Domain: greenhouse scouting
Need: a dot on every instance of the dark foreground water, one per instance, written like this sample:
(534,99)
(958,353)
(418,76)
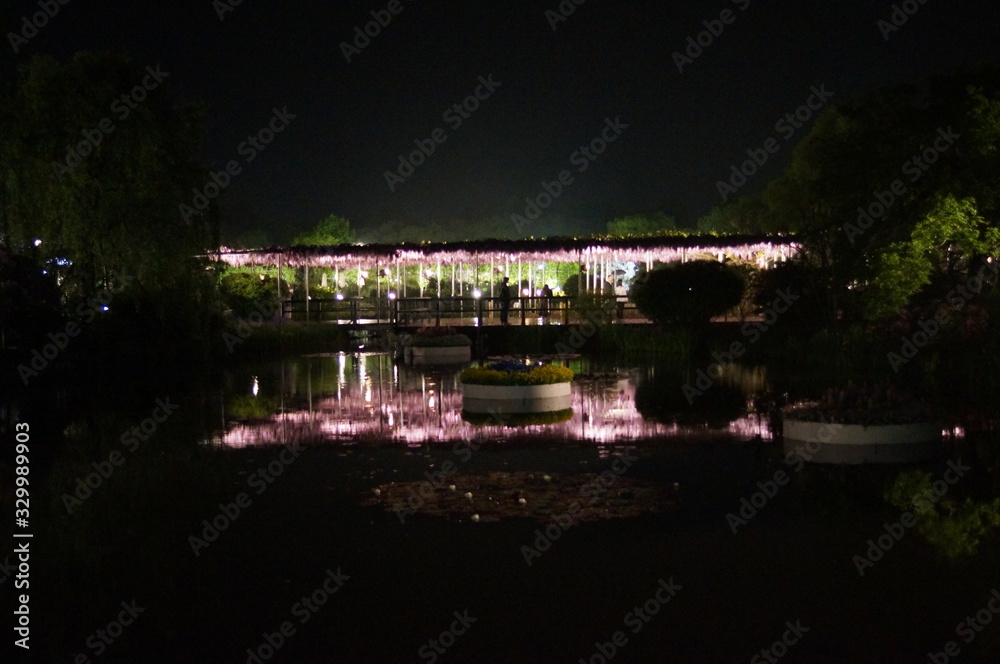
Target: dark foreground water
(755,561)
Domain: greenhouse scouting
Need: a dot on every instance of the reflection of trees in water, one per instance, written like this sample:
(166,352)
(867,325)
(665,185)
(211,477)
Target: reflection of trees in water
(954,527)
(363,399)
(660,397)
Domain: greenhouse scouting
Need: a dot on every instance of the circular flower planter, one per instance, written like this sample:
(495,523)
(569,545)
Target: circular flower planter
(820,442)
(538,390)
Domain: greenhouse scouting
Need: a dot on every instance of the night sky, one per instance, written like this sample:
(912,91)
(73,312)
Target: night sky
(558,87)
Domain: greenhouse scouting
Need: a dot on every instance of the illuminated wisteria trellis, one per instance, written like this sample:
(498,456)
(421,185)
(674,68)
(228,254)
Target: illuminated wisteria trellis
(597,258)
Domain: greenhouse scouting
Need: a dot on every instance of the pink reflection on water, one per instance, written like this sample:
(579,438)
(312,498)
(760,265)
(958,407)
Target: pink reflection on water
(414,409)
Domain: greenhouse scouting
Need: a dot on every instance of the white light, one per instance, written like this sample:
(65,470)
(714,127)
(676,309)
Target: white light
(392,296)
(104,308)
(339,296)
(477,293)
(256,386)
(37,242)
(386,272)
(525,292)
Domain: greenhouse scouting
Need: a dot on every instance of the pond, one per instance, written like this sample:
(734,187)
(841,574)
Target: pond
(351,398)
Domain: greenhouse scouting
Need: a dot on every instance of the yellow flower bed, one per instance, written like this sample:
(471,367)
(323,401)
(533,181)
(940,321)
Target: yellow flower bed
(546,375)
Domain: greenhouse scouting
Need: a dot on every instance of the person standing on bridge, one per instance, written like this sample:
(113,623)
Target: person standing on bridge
(504,301)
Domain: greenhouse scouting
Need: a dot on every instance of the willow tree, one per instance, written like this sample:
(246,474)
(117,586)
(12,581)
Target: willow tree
(96,154)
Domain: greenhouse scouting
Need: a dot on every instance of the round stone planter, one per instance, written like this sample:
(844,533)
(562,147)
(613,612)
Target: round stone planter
(516,398)
(438,354)
(820,442)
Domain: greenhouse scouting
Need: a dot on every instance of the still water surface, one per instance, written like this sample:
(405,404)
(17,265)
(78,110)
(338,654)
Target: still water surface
(347,398)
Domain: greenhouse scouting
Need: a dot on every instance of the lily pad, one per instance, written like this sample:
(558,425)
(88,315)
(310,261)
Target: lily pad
(537,496)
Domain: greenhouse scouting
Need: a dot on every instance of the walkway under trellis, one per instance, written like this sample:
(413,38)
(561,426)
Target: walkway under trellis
(601,265)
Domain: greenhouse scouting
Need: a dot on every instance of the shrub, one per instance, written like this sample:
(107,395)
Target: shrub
(511,374)
(864,405)
(688,294)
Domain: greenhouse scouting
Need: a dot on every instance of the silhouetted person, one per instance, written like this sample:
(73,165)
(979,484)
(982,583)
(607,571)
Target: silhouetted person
(546,294)
(504,301)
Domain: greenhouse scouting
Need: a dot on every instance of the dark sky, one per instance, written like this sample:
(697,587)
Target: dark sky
(606,60)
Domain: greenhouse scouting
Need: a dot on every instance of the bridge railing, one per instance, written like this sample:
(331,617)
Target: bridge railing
(420,311)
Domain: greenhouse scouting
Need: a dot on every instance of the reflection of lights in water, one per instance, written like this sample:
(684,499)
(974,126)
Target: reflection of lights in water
(418,414)
(256,386)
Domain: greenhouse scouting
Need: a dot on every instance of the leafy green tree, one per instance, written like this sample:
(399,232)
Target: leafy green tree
(641,224)
(687,294)
(745,215)
(896,192)
(331,230)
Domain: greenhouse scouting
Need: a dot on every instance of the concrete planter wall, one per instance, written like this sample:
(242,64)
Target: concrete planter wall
(516,398)
(818,442)
(438,354)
